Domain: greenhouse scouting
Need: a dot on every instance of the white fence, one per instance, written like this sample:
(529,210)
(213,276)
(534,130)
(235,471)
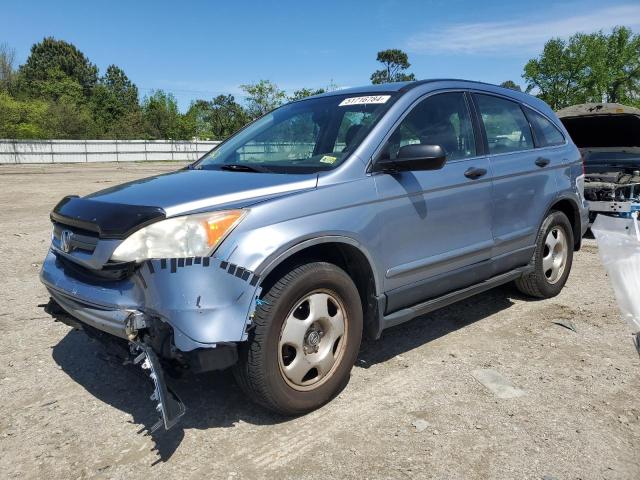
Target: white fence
(83,151)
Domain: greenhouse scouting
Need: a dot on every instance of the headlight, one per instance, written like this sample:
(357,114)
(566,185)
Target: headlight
(180,237)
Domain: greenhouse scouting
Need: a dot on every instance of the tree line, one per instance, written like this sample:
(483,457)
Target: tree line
(596,67)
(59,93)
(587,68)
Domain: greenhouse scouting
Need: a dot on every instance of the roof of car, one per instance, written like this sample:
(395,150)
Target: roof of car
(403,87)
(399,86)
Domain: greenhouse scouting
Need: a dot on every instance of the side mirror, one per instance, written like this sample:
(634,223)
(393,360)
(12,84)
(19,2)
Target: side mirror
(414,157)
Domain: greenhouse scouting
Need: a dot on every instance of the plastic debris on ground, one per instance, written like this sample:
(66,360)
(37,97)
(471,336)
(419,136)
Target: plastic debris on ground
(497,383)
(566,324)
(619,246)
(420,425)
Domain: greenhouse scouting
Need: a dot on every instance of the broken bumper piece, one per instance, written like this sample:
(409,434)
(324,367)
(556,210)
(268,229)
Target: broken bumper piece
(168,404)
(206,301)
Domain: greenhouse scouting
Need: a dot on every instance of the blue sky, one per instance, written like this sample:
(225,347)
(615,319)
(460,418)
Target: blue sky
(201,49)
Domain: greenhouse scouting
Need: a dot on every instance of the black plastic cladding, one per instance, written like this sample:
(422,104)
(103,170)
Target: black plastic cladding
(108,220)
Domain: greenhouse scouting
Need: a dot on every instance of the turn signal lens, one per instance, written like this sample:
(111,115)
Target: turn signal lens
(218,227)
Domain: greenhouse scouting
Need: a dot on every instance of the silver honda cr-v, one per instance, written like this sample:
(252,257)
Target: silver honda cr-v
(331,217)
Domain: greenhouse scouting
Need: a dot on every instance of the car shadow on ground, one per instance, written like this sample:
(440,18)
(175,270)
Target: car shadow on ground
(213,400)
(439,323)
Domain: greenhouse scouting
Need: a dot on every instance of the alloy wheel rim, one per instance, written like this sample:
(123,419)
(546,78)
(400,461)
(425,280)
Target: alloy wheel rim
(554,257)
(312,340)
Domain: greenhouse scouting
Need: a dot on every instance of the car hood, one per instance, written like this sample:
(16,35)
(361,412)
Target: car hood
(188,191)
(605,129)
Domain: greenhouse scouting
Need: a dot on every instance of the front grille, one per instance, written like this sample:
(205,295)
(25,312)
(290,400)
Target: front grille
(80,240)
(112,271)
(78,257)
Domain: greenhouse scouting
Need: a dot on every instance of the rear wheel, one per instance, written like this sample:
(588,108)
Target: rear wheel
(305,340)
(551,260)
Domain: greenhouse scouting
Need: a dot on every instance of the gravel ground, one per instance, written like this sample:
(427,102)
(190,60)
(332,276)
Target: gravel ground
(412,409)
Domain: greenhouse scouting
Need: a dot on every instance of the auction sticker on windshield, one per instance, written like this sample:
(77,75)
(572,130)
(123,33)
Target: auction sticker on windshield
(365,100)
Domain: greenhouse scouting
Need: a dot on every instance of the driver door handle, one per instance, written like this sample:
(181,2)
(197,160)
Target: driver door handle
(474,173)
(542,162)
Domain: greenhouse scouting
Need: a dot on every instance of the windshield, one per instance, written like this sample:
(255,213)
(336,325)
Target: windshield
(301,137)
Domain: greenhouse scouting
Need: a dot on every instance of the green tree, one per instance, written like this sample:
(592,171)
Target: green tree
(51,55)
(57,94)
(23,119)
(587,68)
(55,87)
(68,111)
(262,97)
(37,119)
(115,105)
(216,119)
(67,118)
(197,120)
(511,85)
(616,70)
(161,116)
(559,75)
(227,117)
(7,60)
(56,79)
(304,93)
(394,62)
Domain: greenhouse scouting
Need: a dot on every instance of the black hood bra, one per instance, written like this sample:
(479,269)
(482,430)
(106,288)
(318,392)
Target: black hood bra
(108,220)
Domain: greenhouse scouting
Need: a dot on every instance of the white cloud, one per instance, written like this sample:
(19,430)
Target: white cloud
(519,35)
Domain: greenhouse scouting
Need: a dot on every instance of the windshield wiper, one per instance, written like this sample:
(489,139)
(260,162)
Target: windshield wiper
(235,167)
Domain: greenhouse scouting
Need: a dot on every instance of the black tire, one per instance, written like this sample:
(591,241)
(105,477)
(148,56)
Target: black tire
(536,283)
(258,370)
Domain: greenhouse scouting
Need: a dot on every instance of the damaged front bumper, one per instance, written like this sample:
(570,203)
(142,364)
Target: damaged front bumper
(206,301)
(169,405)
(192,311)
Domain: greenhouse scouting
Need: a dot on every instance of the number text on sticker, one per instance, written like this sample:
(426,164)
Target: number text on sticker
(365,100)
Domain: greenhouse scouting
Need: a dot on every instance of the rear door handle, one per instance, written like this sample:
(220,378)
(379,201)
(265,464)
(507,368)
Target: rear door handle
(474,173)
(542,162)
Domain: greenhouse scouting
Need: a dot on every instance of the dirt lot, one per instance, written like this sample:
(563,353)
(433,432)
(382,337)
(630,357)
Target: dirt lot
(412,408)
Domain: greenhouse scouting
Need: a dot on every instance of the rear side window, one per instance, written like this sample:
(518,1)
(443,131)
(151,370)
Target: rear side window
(506,126)
(547,134)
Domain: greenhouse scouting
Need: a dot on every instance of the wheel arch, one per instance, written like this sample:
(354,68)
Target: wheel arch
(344,252)
(570,208)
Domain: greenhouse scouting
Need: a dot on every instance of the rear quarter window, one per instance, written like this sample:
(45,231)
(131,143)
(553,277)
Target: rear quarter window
(547,134)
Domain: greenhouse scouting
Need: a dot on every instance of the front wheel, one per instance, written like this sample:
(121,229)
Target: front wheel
(304,342)
(552,259)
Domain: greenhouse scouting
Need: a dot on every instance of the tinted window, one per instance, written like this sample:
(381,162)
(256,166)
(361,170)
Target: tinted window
(506,126)
(438,120)
(547,134)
